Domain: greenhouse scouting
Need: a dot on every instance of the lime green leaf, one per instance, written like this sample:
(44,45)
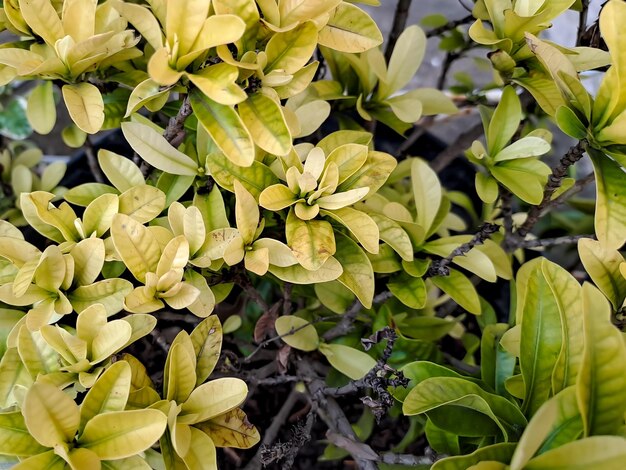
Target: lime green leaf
(304,339)
(426,192)
(556,423)
(568,122)
(225,128)
(41,108)
(153,148)
(51,416)
(350,29)
(411,291)
(461,289)
(504,122)
(603,368)
(523,148)
(406,58)
(349,361)
(601,452)
(254,178)
(121,434)
(48,461)
(501,452)
(85,105)
(541,341)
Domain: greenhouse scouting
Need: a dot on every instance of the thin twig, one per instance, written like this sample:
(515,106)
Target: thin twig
(399,23)
(548,242)
(455,149)
(272,431)
(579,185)
(345,325)
(582,22)
(450,25)
(506,207)
(559,172)
(441,267)
(92,161)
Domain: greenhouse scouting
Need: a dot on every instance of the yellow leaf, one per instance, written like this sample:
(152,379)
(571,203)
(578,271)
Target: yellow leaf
(15,438)
(136,246)
(109,293)
(207,344)
(290,51)
(109,393)
(144,22)
(350,29)
(110,339)
(43,19)
(180,369)
(296,274)
(213,399)
(85,105)
(231,429)
(225,127)
(157,151)
(201,454)
(120,171)
(51,416)
(218,83)
(246,213)
(205,303)
(264,119)
(121,434)
(312,242)
(159,68)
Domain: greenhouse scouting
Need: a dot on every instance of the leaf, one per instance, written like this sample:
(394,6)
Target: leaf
(610,215)
(180,370)
(121,434)
(603,266)
(411,291)
(349,361)
(120,171)
(406,58)
(291,50)
(111,338)
(501,452)
(108,292)
(556,422)
(246,213)
(350,29)
(329,271)
(358,275)
(144,92)
(154,149)
(568,122)
(254,178)
(601,452)
(541,341)
(41,108)
(457,393)
(225,127)
(461,289)
(15,438)
(207,344)
(43,19)
(47,460)
(525,178)
(201,453)
(231,429)
(136,245)
(51,416)
(426,192)
(304,336)
(264,119)
(213,399)
(109,393)
(504,122)
(603,369)
(85,105)
(312,242)
(394,235)
(524,148)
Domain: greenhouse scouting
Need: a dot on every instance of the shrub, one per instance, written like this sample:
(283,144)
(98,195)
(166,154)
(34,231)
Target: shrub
(239,240)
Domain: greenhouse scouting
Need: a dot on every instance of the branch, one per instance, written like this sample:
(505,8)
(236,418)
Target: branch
(92,161)
(559,172)
(399,23)
(449,26)
(441,267)
(463,141)
(582,22)
(548,242)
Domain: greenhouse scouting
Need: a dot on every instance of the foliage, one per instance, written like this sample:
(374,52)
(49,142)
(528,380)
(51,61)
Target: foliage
(252,244)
